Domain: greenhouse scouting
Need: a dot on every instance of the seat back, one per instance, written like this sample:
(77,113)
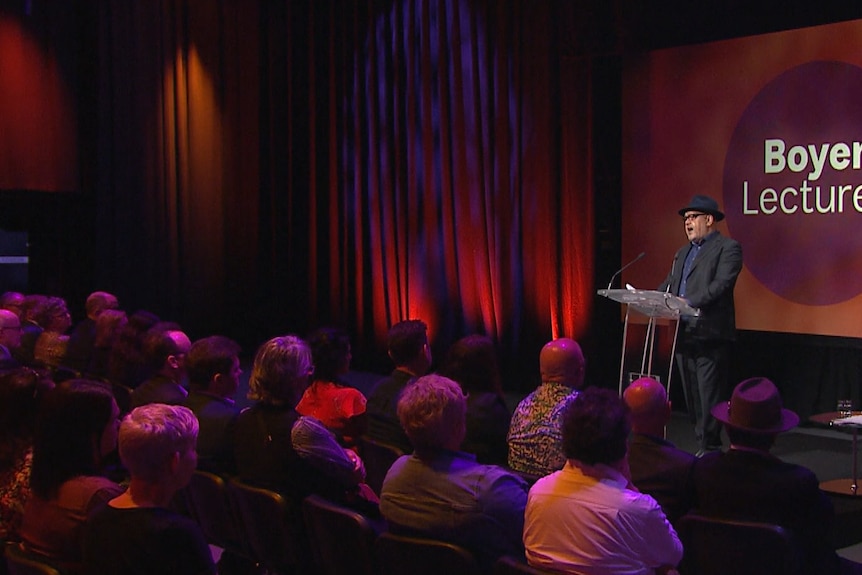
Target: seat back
(270,525)
(715,546)
(22,562)
(123,395)
(342,539)
(378,458)
(209,504)
(508,565)
(403,555)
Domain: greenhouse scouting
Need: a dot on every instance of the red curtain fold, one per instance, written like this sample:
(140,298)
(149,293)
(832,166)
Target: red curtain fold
(349,162)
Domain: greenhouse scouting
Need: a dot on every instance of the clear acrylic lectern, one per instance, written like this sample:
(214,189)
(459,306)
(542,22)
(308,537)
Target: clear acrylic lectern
(655,305)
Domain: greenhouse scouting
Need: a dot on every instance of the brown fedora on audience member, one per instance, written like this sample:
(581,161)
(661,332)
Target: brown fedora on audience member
(756,407)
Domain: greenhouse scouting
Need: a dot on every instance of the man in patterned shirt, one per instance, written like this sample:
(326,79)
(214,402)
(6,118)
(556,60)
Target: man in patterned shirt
(535,436)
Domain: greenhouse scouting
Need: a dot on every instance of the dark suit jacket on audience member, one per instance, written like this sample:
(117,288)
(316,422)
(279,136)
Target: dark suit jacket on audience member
(79,350)
(216,416)
(30,332)
(661,470)
(488,421)
(760,487)
(383,424)
(7,361)
(158,389)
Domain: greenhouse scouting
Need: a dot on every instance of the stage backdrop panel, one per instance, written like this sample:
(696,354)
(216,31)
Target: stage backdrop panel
(771,127)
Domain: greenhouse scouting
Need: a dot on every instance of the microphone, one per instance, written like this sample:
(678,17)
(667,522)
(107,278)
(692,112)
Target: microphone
(619,271)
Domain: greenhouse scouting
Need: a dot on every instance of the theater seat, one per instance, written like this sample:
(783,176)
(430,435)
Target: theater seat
(508,565)
(22,562)
(271,527)
(715,546)
(402,555)
(209,504)
(378,458)
(342,539)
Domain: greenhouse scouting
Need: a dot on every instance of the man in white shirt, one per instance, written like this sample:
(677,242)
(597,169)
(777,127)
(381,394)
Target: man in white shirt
(588,518)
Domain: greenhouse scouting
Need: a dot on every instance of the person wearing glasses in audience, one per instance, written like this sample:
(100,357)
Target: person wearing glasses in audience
(165,349)
(704,273)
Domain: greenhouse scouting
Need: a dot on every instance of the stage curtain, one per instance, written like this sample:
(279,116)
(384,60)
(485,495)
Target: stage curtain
(273,166)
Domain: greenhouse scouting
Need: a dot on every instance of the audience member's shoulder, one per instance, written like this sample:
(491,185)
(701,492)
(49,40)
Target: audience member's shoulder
(708,460)
(497,474)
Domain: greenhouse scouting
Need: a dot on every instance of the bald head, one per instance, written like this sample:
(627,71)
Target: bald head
(649,407)
(12,301)
(99,301)
(562,361)
(10,329)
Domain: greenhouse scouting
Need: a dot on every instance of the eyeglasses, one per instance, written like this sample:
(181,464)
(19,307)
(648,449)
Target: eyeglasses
(687,217)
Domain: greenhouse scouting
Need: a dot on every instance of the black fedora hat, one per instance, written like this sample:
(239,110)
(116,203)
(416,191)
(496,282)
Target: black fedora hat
(756,407)
(703,204)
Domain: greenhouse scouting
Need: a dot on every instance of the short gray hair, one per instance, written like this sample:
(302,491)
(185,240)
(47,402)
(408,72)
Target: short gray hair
(431,410)
(151,434)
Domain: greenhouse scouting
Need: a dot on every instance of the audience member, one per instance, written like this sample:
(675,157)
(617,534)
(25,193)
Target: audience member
(442,493)
(213,371)
(748,482)
(657,467)
(30,328)
(589,517)
(126,363)
(20,392)
(10,339)
(76,429)
(472,363)
(52,315)
(408,347)
(165,351)
(339,407)
(535,437)
(12,301)
(109,324)
(137,532)
(278,449)
(82,339)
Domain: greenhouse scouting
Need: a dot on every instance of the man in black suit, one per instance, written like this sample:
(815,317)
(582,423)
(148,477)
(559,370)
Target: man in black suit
(657,467)
(704,273)
(166,348)
(749,483)
(213,371)
(408,347)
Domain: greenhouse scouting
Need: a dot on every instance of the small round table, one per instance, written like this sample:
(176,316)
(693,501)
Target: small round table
(831,419)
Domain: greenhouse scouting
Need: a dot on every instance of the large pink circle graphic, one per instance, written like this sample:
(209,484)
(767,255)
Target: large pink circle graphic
(793,183)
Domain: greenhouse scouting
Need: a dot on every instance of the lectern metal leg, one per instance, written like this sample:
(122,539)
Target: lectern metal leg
(672,355)
(649,344)
(855,476)
(623,353)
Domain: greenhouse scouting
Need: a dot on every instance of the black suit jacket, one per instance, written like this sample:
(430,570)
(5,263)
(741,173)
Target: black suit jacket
(760,487)
(709,287)
(382,409)
(661,470)
(7,362)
